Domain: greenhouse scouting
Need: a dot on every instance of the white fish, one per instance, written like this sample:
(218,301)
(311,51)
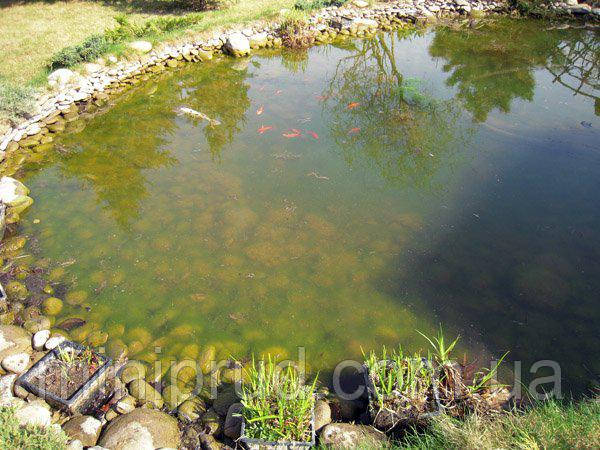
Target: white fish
(194,113)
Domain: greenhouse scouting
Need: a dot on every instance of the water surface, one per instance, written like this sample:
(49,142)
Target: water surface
(352,194)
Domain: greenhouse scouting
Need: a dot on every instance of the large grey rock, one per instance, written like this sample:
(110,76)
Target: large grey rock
(237,44)
(347,435)
(233,422)
(16,363)
(11,191)
(34,414)
(13,339)
(83,428)
(142,428)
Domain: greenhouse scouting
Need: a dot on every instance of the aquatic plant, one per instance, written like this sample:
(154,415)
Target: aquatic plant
(402,387)
(441,349)
(277,405)
(295,32)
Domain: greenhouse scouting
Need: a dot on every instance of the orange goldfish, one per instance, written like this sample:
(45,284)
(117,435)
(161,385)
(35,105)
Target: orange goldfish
(264,128)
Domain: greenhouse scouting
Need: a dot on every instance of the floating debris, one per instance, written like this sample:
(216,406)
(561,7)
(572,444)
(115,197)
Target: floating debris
(294,134)
(317,176)
(192,112)
(286,156)
(260,110)
(353,105)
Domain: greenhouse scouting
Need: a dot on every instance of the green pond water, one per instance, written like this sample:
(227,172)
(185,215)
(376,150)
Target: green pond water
(445,177)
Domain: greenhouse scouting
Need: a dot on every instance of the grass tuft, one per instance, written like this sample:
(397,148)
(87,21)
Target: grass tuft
(550,424)
(16,101)
(12,435)
(277,405)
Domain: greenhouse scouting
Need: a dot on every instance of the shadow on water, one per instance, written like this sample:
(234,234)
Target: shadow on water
(516,264)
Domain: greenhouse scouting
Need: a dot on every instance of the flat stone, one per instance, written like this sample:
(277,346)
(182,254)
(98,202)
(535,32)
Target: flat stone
(91,68)
(11,191)
(140,46)
(34,414)
(83,428)
(54,342)
(347,435)
(16,363)
(60,78)
(140,429)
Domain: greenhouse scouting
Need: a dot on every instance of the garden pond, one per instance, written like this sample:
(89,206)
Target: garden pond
(340,198)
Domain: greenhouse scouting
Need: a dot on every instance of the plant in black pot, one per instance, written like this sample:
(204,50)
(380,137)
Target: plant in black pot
(277,408)
(402,389)
(70,377)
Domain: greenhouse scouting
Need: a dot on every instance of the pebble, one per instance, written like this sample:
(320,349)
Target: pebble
(40,338)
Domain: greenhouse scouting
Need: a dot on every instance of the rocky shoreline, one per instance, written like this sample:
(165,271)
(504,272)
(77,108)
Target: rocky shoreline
(141,416)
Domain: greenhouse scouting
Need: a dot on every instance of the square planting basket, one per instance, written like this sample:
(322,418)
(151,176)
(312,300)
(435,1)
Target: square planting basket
(436,396)
(256,444)
(95,390)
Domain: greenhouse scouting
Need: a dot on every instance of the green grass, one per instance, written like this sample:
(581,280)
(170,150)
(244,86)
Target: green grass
(13,436)
(276,404)
(551,425)
(15,100)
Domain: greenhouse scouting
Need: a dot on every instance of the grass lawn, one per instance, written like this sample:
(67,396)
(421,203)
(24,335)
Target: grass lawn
(31,32)
(547,425)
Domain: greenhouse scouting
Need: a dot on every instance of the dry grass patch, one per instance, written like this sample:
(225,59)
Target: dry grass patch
(30,33)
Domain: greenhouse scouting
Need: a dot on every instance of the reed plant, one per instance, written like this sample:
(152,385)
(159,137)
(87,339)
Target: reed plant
(277,405)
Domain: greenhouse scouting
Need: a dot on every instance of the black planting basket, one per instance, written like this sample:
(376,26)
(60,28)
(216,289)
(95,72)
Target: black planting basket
(436,393)
(83,399)
(252,443)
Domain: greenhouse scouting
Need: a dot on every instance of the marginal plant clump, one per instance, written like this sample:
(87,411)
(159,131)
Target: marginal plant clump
(462,390)
(295,32)
(277,405)
(401,386)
